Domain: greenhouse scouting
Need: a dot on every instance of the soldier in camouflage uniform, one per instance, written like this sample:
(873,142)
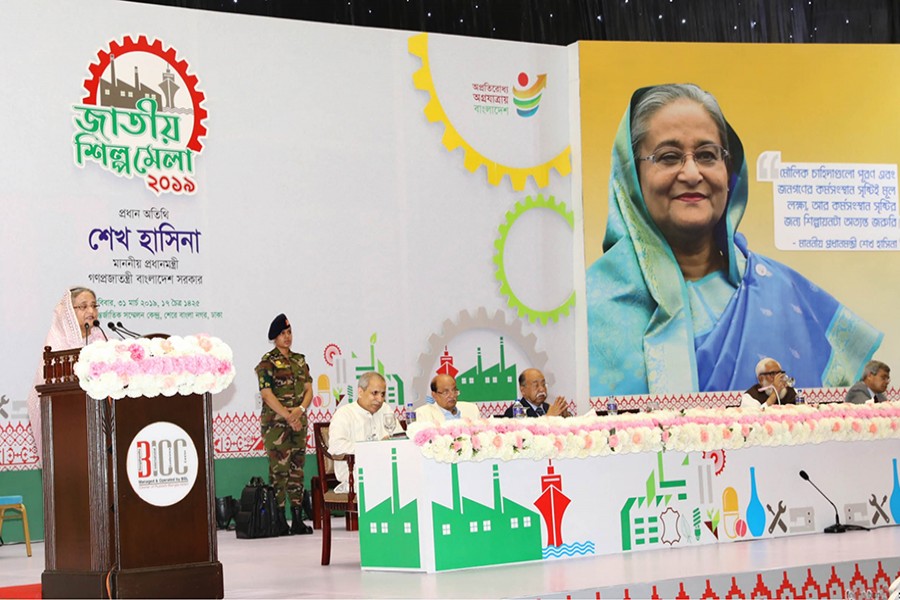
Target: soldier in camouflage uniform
(286,389)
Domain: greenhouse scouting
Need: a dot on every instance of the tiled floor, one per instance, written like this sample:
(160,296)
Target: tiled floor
(289,567)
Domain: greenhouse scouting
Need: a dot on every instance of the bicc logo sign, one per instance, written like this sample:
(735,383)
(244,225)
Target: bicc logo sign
(162,463)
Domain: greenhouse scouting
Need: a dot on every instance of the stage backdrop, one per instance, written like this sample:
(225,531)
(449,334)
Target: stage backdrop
(822,163)
(403,198)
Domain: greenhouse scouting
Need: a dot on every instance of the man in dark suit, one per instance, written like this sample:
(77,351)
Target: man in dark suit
(875,380)
(533,387)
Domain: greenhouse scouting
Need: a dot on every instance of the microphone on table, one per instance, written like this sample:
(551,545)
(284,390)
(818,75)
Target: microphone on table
(127,331)
(97,325)
(113,327)
(837,527)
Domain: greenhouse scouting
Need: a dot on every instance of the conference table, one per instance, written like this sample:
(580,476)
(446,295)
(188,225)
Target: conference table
(502,491)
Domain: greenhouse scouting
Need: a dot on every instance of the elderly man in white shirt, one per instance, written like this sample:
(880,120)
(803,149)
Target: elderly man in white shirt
(444,405)
(360,421)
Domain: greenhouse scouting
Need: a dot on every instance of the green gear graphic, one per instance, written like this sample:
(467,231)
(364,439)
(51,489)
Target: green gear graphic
(521,208)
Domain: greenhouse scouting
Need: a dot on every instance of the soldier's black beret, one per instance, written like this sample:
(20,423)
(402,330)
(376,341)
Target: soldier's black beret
(278,325)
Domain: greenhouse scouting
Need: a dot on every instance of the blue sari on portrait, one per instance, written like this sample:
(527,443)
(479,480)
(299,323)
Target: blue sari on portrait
(650,331)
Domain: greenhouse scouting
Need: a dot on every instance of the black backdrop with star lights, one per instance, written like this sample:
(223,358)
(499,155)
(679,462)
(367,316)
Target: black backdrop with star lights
(564,22)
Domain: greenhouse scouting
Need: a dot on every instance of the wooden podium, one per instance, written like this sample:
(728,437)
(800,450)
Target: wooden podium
(102,539)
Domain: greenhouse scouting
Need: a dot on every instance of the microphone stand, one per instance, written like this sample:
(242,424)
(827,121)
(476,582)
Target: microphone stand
(837,527)
(115,330)
(97,325)
(127,331)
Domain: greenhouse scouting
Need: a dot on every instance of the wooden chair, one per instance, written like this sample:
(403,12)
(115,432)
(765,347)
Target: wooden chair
(324,494)
(331,482)
(15,503)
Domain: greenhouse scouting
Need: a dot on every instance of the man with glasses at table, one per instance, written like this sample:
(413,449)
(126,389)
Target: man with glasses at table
(533,387)
(360,421)
(444,405)
(874,383)
(772,387)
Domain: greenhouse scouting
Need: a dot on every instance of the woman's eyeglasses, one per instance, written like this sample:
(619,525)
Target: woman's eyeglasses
(86,306)
(670,159)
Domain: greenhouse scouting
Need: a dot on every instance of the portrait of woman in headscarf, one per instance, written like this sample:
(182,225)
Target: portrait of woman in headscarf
(678,302)
(72,327)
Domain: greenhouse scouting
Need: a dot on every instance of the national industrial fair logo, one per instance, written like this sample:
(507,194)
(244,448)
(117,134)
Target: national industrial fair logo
(493,98)
(162,463)
(142,116)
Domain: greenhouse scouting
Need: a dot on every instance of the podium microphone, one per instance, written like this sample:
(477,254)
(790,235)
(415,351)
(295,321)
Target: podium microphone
(113,328)
(837,527)
(127,331)
(97,325)
(87,332)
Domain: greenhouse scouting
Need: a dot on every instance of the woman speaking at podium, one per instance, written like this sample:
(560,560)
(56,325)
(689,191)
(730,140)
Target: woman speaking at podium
(72,327)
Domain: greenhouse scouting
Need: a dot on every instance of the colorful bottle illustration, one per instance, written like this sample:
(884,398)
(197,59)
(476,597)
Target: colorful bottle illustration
(895,496)
(756,514)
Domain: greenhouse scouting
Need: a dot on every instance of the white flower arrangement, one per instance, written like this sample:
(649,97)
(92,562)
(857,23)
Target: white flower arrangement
(690,430)
(195,364)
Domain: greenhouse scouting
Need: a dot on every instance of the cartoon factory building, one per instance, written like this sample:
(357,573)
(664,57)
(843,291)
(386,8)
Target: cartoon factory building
(388,532)
(480,384)
(641,515)
(469,534)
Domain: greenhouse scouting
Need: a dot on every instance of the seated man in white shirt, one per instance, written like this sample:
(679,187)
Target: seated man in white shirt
(444,405)
(359,421)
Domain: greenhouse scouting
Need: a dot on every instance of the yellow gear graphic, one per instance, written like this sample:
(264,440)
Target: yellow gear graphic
(422,80)
(521,208)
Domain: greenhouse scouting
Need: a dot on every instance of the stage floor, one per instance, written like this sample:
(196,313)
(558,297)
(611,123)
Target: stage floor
(289,568)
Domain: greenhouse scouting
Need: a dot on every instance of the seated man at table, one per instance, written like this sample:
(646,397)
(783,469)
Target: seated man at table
(771,388)
(358,421)
(443,404)
(875,380)
(533,388)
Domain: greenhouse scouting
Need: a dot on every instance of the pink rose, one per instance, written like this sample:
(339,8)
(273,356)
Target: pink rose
(704,436)
(136,352)
(613,441)
(637,438)
(726,433)
(588,442)
(873,429)
(856,426)
(476,443)
(498,442)
(836,427)
(423,437)
(665,435)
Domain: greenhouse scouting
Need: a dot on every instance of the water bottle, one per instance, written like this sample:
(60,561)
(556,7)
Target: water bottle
(611,407)
(410,414)
(800,399)
(518,411)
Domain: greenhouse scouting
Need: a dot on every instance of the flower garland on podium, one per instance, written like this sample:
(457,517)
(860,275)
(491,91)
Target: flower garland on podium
(690,430)
(194,364)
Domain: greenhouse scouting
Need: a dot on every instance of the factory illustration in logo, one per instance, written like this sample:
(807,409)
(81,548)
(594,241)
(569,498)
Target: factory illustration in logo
(141,116)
